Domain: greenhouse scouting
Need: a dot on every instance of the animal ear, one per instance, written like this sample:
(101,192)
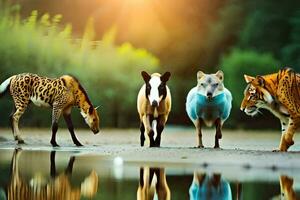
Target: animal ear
(165,77)
(91,109)
(220,75)
(146,76)
(260,80)
(200,74)
(248,79)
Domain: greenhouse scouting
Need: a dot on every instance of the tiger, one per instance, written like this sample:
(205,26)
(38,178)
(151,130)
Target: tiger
(60,94)
(278,93)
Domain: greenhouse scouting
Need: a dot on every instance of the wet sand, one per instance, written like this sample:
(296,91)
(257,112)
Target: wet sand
(245,149)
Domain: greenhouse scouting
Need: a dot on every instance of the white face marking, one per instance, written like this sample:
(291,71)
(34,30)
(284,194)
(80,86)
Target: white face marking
(267,96)
(251,112)
(154,93)
(38,102)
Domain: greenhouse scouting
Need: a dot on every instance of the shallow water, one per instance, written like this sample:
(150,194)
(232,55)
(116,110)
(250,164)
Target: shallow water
(27,174)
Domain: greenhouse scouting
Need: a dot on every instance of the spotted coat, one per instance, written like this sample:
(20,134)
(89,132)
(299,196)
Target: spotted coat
(59,93)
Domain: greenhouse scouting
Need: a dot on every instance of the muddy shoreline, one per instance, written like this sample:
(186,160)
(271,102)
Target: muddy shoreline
(238,148)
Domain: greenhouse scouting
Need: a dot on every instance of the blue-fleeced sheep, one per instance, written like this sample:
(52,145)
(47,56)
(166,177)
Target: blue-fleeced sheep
(209,103)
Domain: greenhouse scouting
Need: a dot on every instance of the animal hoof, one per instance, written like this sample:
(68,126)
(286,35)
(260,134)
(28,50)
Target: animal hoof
(79,144)
(278,150)
(54,144)
(217,147)
(200,147)
(21,142)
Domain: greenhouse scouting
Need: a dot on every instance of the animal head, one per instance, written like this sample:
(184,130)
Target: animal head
(255,95)
(156,87)
(91,118)
(210,85)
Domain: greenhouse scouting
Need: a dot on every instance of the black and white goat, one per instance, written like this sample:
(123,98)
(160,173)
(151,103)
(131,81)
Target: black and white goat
(154,106)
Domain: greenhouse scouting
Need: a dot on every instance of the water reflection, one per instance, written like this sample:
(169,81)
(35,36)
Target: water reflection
(286,188)
(205,186)
(153,184)
(26,174)
(57,187)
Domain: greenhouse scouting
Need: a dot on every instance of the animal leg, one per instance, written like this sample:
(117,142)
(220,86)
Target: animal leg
(160,128)
(142,177)
(287,137)
(20,104)
(56,112)
(198,125)
(15,124)
(199,177)
(69,169)
(218,132)
(11,120)
(216,179)
(52,164)
(162,188)
(283,126)
(147,120)
(142,137)
(286,187)
(67,117)
(161,121)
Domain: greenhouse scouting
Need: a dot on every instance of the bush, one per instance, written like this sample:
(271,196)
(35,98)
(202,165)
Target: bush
(110,73)
(239,62)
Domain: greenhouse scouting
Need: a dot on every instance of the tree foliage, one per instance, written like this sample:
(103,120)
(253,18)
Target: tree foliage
(250,36)
(239,62)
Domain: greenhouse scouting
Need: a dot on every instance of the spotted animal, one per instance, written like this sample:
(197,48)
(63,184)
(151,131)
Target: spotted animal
(279,93)
(40,186)
(59,93)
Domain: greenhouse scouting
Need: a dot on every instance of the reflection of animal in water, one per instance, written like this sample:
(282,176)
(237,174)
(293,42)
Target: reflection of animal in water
(209,187)
(153,184)
(58,187)
(286,188)
(61,94)
(154,106)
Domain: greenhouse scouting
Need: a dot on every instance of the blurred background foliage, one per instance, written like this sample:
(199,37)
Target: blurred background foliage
(106,43)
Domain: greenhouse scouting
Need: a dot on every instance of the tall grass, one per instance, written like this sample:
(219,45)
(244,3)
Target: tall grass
(41,44)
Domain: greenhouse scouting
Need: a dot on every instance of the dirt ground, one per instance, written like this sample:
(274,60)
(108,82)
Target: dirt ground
(238,148)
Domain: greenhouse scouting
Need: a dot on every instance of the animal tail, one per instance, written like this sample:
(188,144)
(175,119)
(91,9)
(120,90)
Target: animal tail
(4,86)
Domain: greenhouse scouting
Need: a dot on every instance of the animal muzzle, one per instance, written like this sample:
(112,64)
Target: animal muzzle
(154,103)
(95,130)
(252,110)
(209,95)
